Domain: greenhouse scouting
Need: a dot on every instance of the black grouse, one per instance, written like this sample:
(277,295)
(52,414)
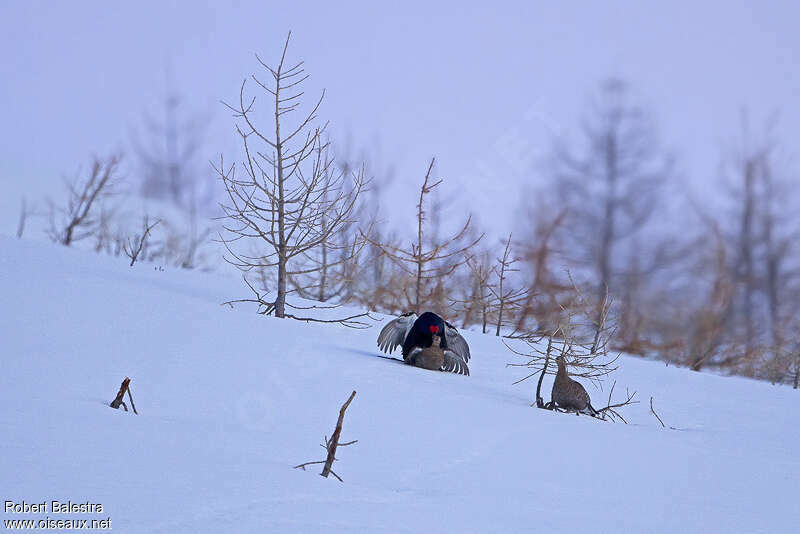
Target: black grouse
(568,393)
(417,333)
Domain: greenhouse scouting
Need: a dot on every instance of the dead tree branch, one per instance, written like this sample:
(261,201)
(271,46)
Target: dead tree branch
(610,410)
(77,218)
(351,321)
(24,213)
(425,263)
(653,411)
(123,388)
(133,247)
(332,444)
(334,441)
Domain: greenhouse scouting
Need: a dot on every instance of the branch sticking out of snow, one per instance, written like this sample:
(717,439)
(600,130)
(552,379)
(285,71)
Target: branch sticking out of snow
(117,402)
(332,444)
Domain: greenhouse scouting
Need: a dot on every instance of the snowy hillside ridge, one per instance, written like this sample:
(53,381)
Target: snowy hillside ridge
(229,401)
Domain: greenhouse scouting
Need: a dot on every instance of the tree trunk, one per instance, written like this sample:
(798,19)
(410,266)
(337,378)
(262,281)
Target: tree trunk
(501,304)
(280,299)
(746,243)
(608,236)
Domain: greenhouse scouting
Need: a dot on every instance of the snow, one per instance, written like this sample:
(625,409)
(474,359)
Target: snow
(229,401)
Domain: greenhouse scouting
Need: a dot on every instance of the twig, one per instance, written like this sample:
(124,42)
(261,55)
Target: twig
(313,307)
(23,216)
(349,322)
(610,409)
(130,397)
(539,400)
(334,443)
(132,249)
(303,466)
(117,402)
(266,308)
(652,410)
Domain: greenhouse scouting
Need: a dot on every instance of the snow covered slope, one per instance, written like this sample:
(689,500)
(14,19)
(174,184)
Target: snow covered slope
(229,401)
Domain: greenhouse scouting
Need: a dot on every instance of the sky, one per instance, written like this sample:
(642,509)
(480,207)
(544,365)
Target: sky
(481,86)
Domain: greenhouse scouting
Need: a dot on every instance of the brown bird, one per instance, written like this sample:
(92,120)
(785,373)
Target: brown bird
(437,359)
(569,394)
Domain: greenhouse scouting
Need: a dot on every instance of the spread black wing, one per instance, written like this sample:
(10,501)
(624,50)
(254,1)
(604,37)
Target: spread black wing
(395,331)
(454,364)
(455,342)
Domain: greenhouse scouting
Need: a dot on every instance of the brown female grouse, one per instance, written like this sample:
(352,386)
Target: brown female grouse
(430,357)
(569,394)
(437,359)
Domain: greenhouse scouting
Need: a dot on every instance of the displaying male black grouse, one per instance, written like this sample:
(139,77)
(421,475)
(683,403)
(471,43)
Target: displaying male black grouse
(416,334)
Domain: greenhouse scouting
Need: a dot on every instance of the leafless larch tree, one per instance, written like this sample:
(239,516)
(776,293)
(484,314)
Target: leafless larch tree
(135,247)
(286,198)
(509,298)
(755,273)
(79,218)
(425,264)
(609,183)
(170,168)
(476,302)
(541,309)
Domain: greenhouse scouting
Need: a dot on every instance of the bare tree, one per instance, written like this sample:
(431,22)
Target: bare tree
(106,238)
(171,170)
(748,166)
(379,283)
(764,268)
(738,302)
(78,220)
(479,300)
(646,290)
(133,246)
(547,291)
(708,323)
(504,299)
(286,185)
(169,156)
(764,264)
(427,265)
(609,183)
(509,299)
(368,278)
